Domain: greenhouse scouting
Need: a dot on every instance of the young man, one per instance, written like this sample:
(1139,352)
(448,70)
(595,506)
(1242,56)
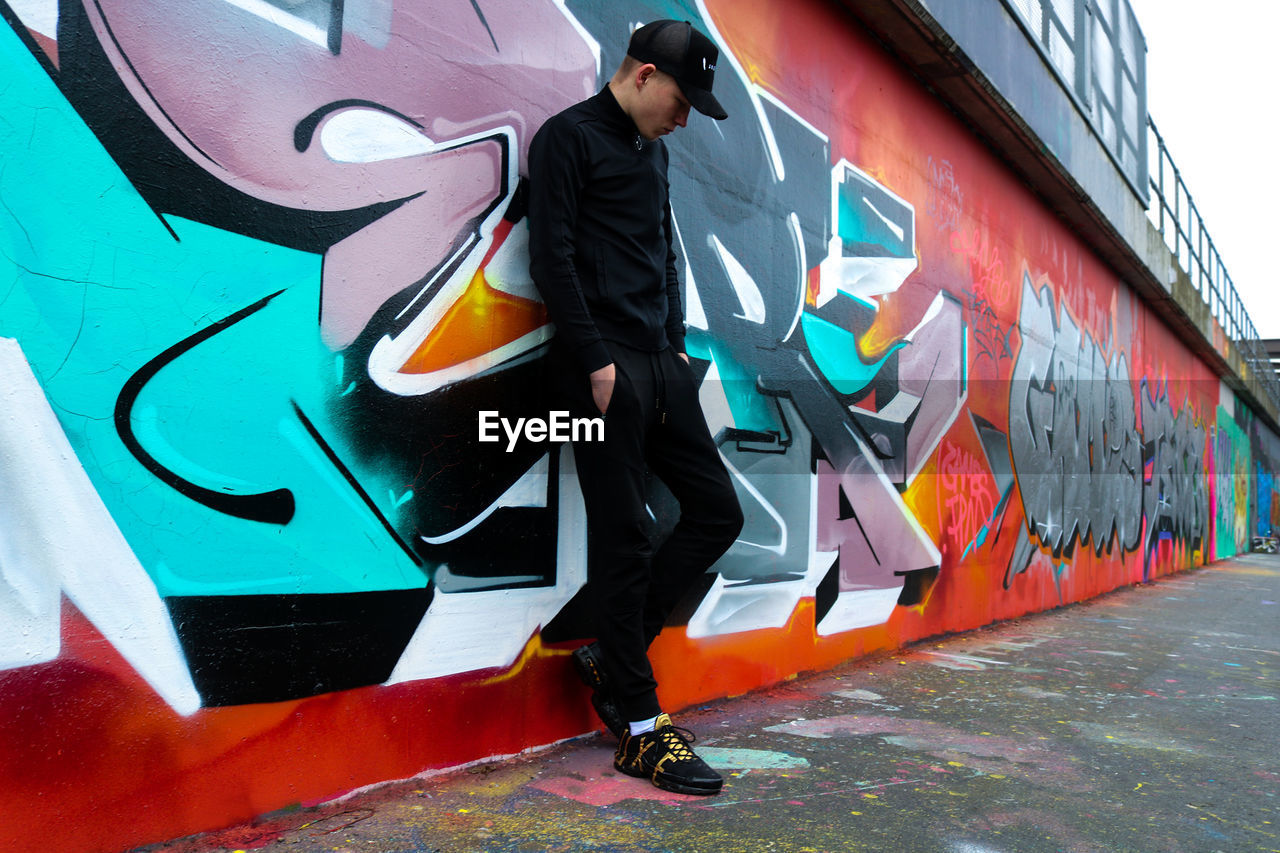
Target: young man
(602,258)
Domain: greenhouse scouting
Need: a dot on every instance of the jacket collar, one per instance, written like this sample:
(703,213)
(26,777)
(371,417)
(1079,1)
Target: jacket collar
(612,114)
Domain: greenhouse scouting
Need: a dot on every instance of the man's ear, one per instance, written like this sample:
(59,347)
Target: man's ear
(644,72)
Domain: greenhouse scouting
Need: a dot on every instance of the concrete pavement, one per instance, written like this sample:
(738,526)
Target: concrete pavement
(1144,720)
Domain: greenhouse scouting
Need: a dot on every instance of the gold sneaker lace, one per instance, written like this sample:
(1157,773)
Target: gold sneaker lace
(676,741)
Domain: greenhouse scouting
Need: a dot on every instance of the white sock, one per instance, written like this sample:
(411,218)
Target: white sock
(640,727)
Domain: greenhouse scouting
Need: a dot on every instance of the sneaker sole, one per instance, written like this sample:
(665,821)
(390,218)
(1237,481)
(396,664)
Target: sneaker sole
(667,784)
(588,668)
(682,788)
(587,665)
(612,721)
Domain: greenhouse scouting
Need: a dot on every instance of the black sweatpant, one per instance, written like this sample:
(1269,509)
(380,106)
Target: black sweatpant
(654,420)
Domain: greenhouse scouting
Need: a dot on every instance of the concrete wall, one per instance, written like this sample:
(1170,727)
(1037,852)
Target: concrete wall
(996,39)
(262,269)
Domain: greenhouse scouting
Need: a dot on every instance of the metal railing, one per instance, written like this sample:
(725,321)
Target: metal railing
(1175,214)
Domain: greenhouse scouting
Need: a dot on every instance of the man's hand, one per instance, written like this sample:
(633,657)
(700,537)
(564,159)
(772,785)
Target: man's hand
(684,355)
(602,386)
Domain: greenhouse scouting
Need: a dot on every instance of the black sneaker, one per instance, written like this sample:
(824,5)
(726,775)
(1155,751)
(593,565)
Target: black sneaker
(664,757)
(590,666)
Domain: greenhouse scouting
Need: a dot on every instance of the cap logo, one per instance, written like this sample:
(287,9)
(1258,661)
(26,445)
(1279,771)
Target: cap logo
(706,66)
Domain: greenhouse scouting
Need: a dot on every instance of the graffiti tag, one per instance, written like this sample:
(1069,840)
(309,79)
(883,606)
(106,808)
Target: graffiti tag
(945,198)
(970,493)
(1176,497)
(1076,450)
(990,337)
(985,264)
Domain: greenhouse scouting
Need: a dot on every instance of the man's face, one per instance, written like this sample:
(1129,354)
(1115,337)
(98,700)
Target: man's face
(660,107)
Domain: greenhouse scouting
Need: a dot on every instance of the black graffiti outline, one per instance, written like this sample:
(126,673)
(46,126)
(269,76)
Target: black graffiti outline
(334,459)
(991,339)
(274,507)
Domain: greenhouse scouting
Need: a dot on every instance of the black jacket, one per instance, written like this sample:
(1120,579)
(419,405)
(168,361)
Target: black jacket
(600,238)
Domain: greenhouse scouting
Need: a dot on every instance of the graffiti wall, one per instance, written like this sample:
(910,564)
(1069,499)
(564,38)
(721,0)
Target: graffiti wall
(1231,482)
(265,262)
(1264,499)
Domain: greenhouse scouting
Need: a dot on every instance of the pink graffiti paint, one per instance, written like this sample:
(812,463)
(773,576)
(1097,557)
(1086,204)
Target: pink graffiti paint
(400,116)
(589,778)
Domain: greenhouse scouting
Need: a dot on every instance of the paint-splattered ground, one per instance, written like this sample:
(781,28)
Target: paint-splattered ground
(1146,720)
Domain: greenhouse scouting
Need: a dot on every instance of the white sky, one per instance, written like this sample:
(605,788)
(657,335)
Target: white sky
(1211,90)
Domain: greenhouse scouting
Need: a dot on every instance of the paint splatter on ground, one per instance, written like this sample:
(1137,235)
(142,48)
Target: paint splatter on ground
(1115,725)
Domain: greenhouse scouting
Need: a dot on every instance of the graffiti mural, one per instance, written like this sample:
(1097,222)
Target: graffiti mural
(371,407)
(1093,466)
(1175,498)
(1231,467)
(1074,438)
(1266,506)
(263,263)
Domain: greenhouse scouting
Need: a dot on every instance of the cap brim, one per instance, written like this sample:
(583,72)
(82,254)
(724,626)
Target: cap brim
(704,102)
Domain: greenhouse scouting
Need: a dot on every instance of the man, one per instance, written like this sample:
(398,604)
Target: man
(602,258)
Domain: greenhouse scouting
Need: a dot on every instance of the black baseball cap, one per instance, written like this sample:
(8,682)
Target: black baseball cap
(676,48)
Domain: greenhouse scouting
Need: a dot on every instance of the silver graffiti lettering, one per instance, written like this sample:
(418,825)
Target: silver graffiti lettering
(1076,449)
